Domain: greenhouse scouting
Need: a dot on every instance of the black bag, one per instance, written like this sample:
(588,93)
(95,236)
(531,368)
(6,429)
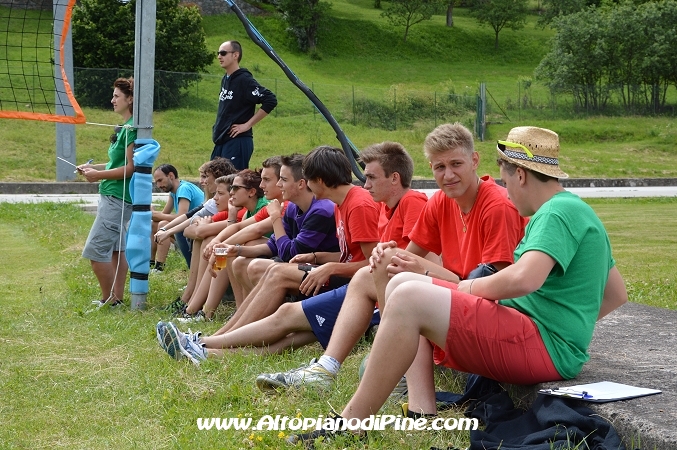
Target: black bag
(482,270)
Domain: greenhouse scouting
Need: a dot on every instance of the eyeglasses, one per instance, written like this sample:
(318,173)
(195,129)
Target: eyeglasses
(224,52)
(235,188)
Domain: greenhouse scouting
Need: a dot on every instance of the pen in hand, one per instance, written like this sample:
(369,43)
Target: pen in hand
(88,162)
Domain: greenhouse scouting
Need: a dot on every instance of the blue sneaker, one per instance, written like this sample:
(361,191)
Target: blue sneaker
(161,331)
(170,341)
(162,335)
(179,345)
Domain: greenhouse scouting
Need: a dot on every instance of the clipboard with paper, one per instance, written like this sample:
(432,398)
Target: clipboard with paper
(603,391)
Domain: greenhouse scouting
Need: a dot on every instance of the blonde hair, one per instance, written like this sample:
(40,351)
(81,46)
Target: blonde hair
(448,137)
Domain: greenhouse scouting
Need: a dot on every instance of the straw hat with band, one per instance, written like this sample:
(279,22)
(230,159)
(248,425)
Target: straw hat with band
(532,148)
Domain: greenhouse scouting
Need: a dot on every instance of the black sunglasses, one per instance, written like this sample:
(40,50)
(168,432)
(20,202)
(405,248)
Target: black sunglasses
(235,188)
(224,52)
(114,136)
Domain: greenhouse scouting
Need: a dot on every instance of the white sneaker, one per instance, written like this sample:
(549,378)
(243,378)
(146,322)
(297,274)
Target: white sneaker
(193,318)
(312,374)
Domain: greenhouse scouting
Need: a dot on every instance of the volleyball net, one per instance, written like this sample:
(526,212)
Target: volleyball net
(33,86)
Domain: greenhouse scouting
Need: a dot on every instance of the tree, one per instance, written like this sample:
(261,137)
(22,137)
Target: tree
(626,50)
(578,60)
(659,65)
(554,8)
(626,42)
(408,13)
(304,19)
(450,11)
(103,37)
(500,14)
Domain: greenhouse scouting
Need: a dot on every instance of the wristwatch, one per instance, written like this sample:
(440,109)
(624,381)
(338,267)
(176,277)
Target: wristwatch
(163,229)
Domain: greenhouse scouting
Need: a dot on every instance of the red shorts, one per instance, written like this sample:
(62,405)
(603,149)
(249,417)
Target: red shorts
(495,341)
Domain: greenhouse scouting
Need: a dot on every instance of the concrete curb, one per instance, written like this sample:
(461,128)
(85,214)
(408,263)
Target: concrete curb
(79,187)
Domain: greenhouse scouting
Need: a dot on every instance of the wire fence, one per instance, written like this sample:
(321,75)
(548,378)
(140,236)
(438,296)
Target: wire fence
(396,107)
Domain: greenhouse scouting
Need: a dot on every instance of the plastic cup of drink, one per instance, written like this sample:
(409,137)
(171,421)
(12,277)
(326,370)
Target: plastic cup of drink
(220,256)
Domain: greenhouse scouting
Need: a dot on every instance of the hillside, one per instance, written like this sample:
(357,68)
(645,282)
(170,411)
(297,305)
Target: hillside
(359,46)
(373,83)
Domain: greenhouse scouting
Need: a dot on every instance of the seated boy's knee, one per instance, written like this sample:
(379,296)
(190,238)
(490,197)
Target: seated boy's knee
(286,308)
(239,265)
(362,277)
(285,311)
(362,272)
(257,267)
(401,278)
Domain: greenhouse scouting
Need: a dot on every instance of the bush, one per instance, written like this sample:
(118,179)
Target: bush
(404,108)
(103,37)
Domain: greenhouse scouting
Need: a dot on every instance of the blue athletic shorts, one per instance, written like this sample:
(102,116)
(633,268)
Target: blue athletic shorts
(239,151)
(322,311)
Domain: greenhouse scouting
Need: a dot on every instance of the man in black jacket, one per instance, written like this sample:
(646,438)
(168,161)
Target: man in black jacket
(240,93)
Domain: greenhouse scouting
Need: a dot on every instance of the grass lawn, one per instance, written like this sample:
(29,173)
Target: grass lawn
(73,377)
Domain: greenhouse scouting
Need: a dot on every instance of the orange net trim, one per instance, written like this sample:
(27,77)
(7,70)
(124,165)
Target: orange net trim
(79,117)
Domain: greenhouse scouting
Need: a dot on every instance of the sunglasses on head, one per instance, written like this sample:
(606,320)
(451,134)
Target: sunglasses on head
(235,188)
(224,52)
(503,144)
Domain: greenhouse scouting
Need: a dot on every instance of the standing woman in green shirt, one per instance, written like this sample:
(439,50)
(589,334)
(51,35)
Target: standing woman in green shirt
(106,244)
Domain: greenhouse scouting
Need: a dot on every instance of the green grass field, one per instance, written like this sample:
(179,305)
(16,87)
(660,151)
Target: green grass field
(76,378)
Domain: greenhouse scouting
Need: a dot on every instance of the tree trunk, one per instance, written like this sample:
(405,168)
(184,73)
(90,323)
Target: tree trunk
(450,13)
(496,42)
(310,34)
(377,4)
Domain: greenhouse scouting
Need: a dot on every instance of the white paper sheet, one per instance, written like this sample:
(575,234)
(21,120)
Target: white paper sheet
(603,391)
